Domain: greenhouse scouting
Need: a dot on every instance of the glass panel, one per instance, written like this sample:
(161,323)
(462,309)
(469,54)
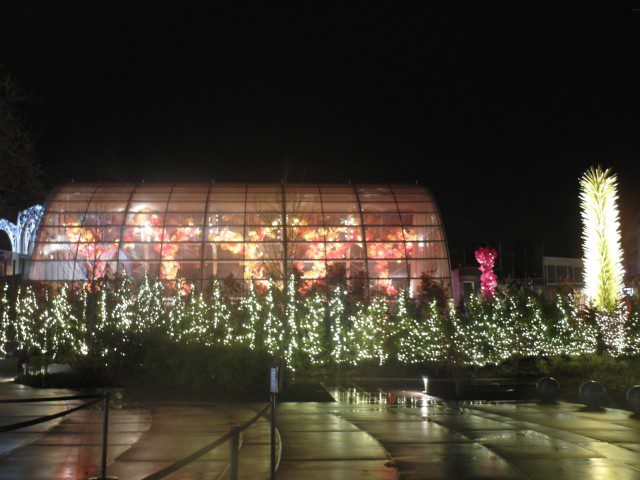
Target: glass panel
(61,219)
(222,269)
(107,196)
(304,250)
(139,197)
(351,207)
(54,251)
(376,197)
(416,207)
(426,250)
(71,197)
(225,219)
(373,189)
(224,251)
(434,268)
(225,234)
(307,234)
(227,197)
(271,218)
(138,270)
(384,233)
(51,270)
(388,286)
(184,219)
(67,206)
(337,250)
(177,197)
(215,207)
(261,234)
(181,251)
(304,218)
(263,269)
(311,270)
(393,250)
(154,219)
(101,206)
(148,207)
(416,234)
(140,251)
(387,268)
(296,205)
(347,218)
(344,268)
(146,233)
(381,219)
(420,219)
(379,207)
(263,251)
(341,234)
(190,270)
(93,270)
(412,197)
(186,206)
(103,218)
(182,234)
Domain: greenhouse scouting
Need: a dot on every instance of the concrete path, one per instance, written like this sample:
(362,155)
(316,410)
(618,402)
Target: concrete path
(142,440)
(501,440)
(318,444)
(360,437)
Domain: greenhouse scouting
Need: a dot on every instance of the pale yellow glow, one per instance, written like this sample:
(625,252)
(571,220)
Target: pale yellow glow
(603,272)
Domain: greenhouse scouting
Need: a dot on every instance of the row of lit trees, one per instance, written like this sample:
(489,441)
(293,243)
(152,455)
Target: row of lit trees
(316,328)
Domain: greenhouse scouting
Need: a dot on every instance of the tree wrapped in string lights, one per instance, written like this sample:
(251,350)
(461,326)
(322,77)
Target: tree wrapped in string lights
(5,322)
(486,257)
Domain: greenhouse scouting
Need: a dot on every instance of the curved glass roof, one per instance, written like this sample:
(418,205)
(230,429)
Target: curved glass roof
(387,234)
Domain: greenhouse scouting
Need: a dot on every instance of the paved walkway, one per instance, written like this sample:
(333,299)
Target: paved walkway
(141,440)
(357,438)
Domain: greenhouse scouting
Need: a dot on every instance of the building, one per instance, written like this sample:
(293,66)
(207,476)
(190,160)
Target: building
(562,271)
(385,236)
(521,262)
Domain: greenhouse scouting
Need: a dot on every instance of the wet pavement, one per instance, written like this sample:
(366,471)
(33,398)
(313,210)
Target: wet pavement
(143,439)
(364,435)
(429,439)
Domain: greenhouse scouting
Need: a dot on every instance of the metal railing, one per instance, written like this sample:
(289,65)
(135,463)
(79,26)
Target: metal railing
(234,435)
(94,398)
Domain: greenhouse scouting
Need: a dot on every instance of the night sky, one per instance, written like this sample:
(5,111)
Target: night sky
(497,109)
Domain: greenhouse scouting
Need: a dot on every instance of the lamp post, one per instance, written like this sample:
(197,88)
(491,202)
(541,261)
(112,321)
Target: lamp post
(425,380)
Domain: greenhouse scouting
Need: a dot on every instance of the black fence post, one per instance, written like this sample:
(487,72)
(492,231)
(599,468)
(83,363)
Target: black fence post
(273,436)
(235,447)
(274,387)
(105,434)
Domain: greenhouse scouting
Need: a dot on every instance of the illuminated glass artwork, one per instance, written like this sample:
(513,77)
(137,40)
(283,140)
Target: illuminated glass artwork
(386,236)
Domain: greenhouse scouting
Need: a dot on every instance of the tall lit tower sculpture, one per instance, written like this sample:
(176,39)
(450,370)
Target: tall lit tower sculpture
(603,272)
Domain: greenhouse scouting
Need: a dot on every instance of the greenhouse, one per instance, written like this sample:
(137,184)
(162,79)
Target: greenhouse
(384,236)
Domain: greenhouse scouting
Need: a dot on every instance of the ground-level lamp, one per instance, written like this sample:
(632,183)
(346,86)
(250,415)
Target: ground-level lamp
(425,380)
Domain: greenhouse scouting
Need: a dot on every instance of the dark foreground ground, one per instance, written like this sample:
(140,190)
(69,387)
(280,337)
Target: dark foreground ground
(367,433)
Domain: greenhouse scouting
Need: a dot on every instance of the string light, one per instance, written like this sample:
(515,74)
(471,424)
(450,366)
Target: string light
(63,324)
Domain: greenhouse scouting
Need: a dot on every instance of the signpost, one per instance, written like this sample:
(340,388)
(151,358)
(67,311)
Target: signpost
(274,388)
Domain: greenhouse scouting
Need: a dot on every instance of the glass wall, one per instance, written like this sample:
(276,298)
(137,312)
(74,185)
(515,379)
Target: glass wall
(383,236)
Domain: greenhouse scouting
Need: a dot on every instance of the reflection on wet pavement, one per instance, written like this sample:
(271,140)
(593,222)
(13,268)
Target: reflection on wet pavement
(366,434)
(141,440)
(432,439)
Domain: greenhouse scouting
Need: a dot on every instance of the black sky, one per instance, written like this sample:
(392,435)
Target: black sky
(497,108)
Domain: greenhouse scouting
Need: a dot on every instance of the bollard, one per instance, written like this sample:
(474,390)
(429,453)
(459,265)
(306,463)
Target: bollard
(105,434)
(548,389)
(592,394)
(235,447)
